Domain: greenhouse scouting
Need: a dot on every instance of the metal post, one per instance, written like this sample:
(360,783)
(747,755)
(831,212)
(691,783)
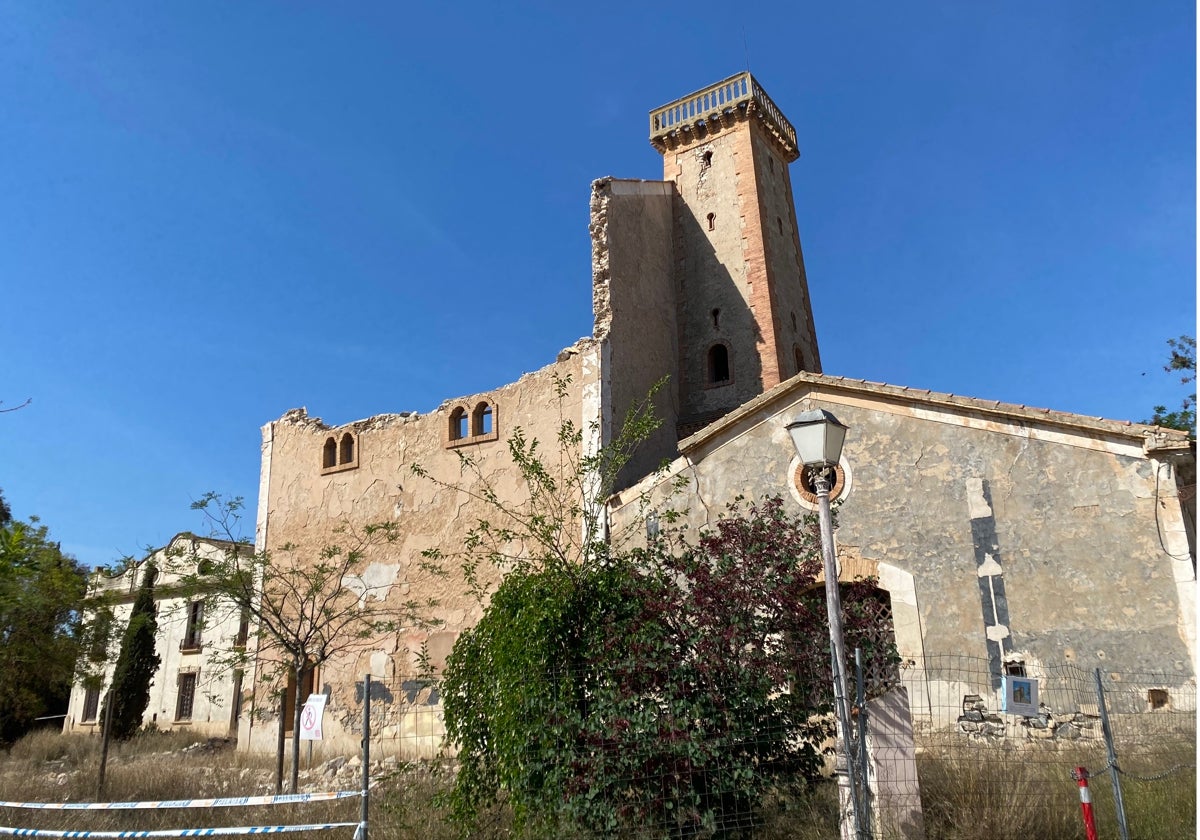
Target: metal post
(1114,771)
(864,788)
(361,834)
(833,604)
(104,745)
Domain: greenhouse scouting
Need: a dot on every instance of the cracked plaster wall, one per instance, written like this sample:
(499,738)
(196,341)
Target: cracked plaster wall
(1086,577)
(303,507)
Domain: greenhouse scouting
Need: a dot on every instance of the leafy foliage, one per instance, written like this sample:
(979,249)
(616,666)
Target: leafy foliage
(1182,362)
(672,687)
(136,663)
(41,590)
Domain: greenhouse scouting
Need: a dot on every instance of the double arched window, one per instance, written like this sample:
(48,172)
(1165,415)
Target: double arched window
(476,425)
(339,452)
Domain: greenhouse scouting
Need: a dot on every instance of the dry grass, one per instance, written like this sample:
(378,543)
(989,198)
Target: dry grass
(1000,794)
(965,795)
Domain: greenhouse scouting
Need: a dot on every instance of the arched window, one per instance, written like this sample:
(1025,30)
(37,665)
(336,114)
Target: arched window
(718,364)
(346,449)
(482,420)
(329,454)
(339,452)
(712,221)
(458,423)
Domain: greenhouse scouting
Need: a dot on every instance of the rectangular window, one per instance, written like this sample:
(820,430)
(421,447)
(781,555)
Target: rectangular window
(195,625)
(243,633)
(91,705)
(187,696)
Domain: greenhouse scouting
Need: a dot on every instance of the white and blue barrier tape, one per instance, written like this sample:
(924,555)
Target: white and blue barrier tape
(177,832)
(223,802)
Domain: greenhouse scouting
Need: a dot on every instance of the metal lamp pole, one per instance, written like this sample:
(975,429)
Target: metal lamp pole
(818,436)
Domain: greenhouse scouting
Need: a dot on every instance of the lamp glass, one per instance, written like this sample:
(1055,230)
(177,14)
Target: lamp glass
(818,437)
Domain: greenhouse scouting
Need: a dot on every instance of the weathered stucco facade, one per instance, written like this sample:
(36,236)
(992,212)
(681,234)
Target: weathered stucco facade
(999,531)
(195,688)
(1010,532)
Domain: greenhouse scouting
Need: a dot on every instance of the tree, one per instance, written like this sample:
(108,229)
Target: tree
(304,606)
(1182,362)
(671,687)
(607,687)
(136,663)
(41,590)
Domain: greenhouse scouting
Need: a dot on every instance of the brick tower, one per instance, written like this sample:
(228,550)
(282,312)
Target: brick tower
(744,318)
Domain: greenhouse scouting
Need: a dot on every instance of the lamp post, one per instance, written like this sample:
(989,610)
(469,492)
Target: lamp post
(818,437)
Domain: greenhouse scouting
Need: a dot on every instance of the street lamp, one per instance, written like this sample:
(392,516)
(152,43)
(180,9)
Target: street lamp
(818,437)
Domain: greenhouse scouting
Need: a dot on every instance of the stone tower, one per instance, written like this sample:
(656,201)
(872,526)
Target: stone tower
(744,319)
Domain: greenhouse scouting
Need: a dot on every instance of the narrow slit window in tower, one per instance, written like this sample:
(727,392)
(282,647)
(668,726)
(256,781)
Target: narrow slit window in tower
(712,221)
(716,316)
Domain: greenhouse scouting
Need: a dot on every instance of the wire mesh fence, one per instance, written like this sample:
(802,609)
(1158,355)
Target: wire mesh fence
(947,755)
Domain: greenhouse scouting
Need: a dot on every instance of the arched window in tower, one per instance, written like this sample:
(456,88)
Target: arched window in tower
(329,454)
(346,449)
(458,423)
(712,221)
(718,364)
(481,420)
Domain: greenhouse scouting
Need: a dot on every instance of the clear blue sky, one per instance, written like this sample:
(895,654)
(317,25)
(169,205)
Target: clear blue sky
(213,212)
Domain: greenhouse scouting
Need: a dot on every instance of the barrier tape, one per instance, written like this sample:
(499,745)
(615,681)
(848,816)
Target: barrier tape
(223,802)
(177,832)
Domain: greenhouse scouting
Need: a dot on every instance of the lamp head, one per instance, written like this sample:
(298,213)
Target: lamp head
(818,437)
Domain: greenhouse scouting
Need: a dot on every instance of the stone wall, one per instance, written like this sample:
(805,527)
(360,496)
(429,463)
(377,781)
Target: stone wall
(1000,531)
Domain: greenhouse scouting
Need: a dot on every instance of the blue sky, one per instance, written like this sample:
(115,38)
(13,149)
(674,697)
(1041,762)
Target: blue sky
(213,212)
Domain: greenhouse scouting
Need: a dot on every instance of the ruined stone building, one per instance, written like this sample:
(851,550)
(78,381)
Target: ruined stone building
(1001,531)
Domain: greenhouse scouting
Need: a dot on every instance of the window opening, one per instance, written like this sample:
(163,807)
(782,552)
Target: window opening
(195,624)
(771,163)
(1159,698)
(243,632)
(1015,669)
(186,699)
(718,363)
(799,359)
(329,454)
(779,222)
(346,450)
(794,321)
(706,159)
(91,705)
(712,221)
(716,316)
(458,423)
(483,419)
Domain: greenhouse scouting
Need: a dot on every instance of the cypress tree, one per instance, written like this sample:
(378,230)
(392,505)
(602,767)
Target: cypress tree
(136,662)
